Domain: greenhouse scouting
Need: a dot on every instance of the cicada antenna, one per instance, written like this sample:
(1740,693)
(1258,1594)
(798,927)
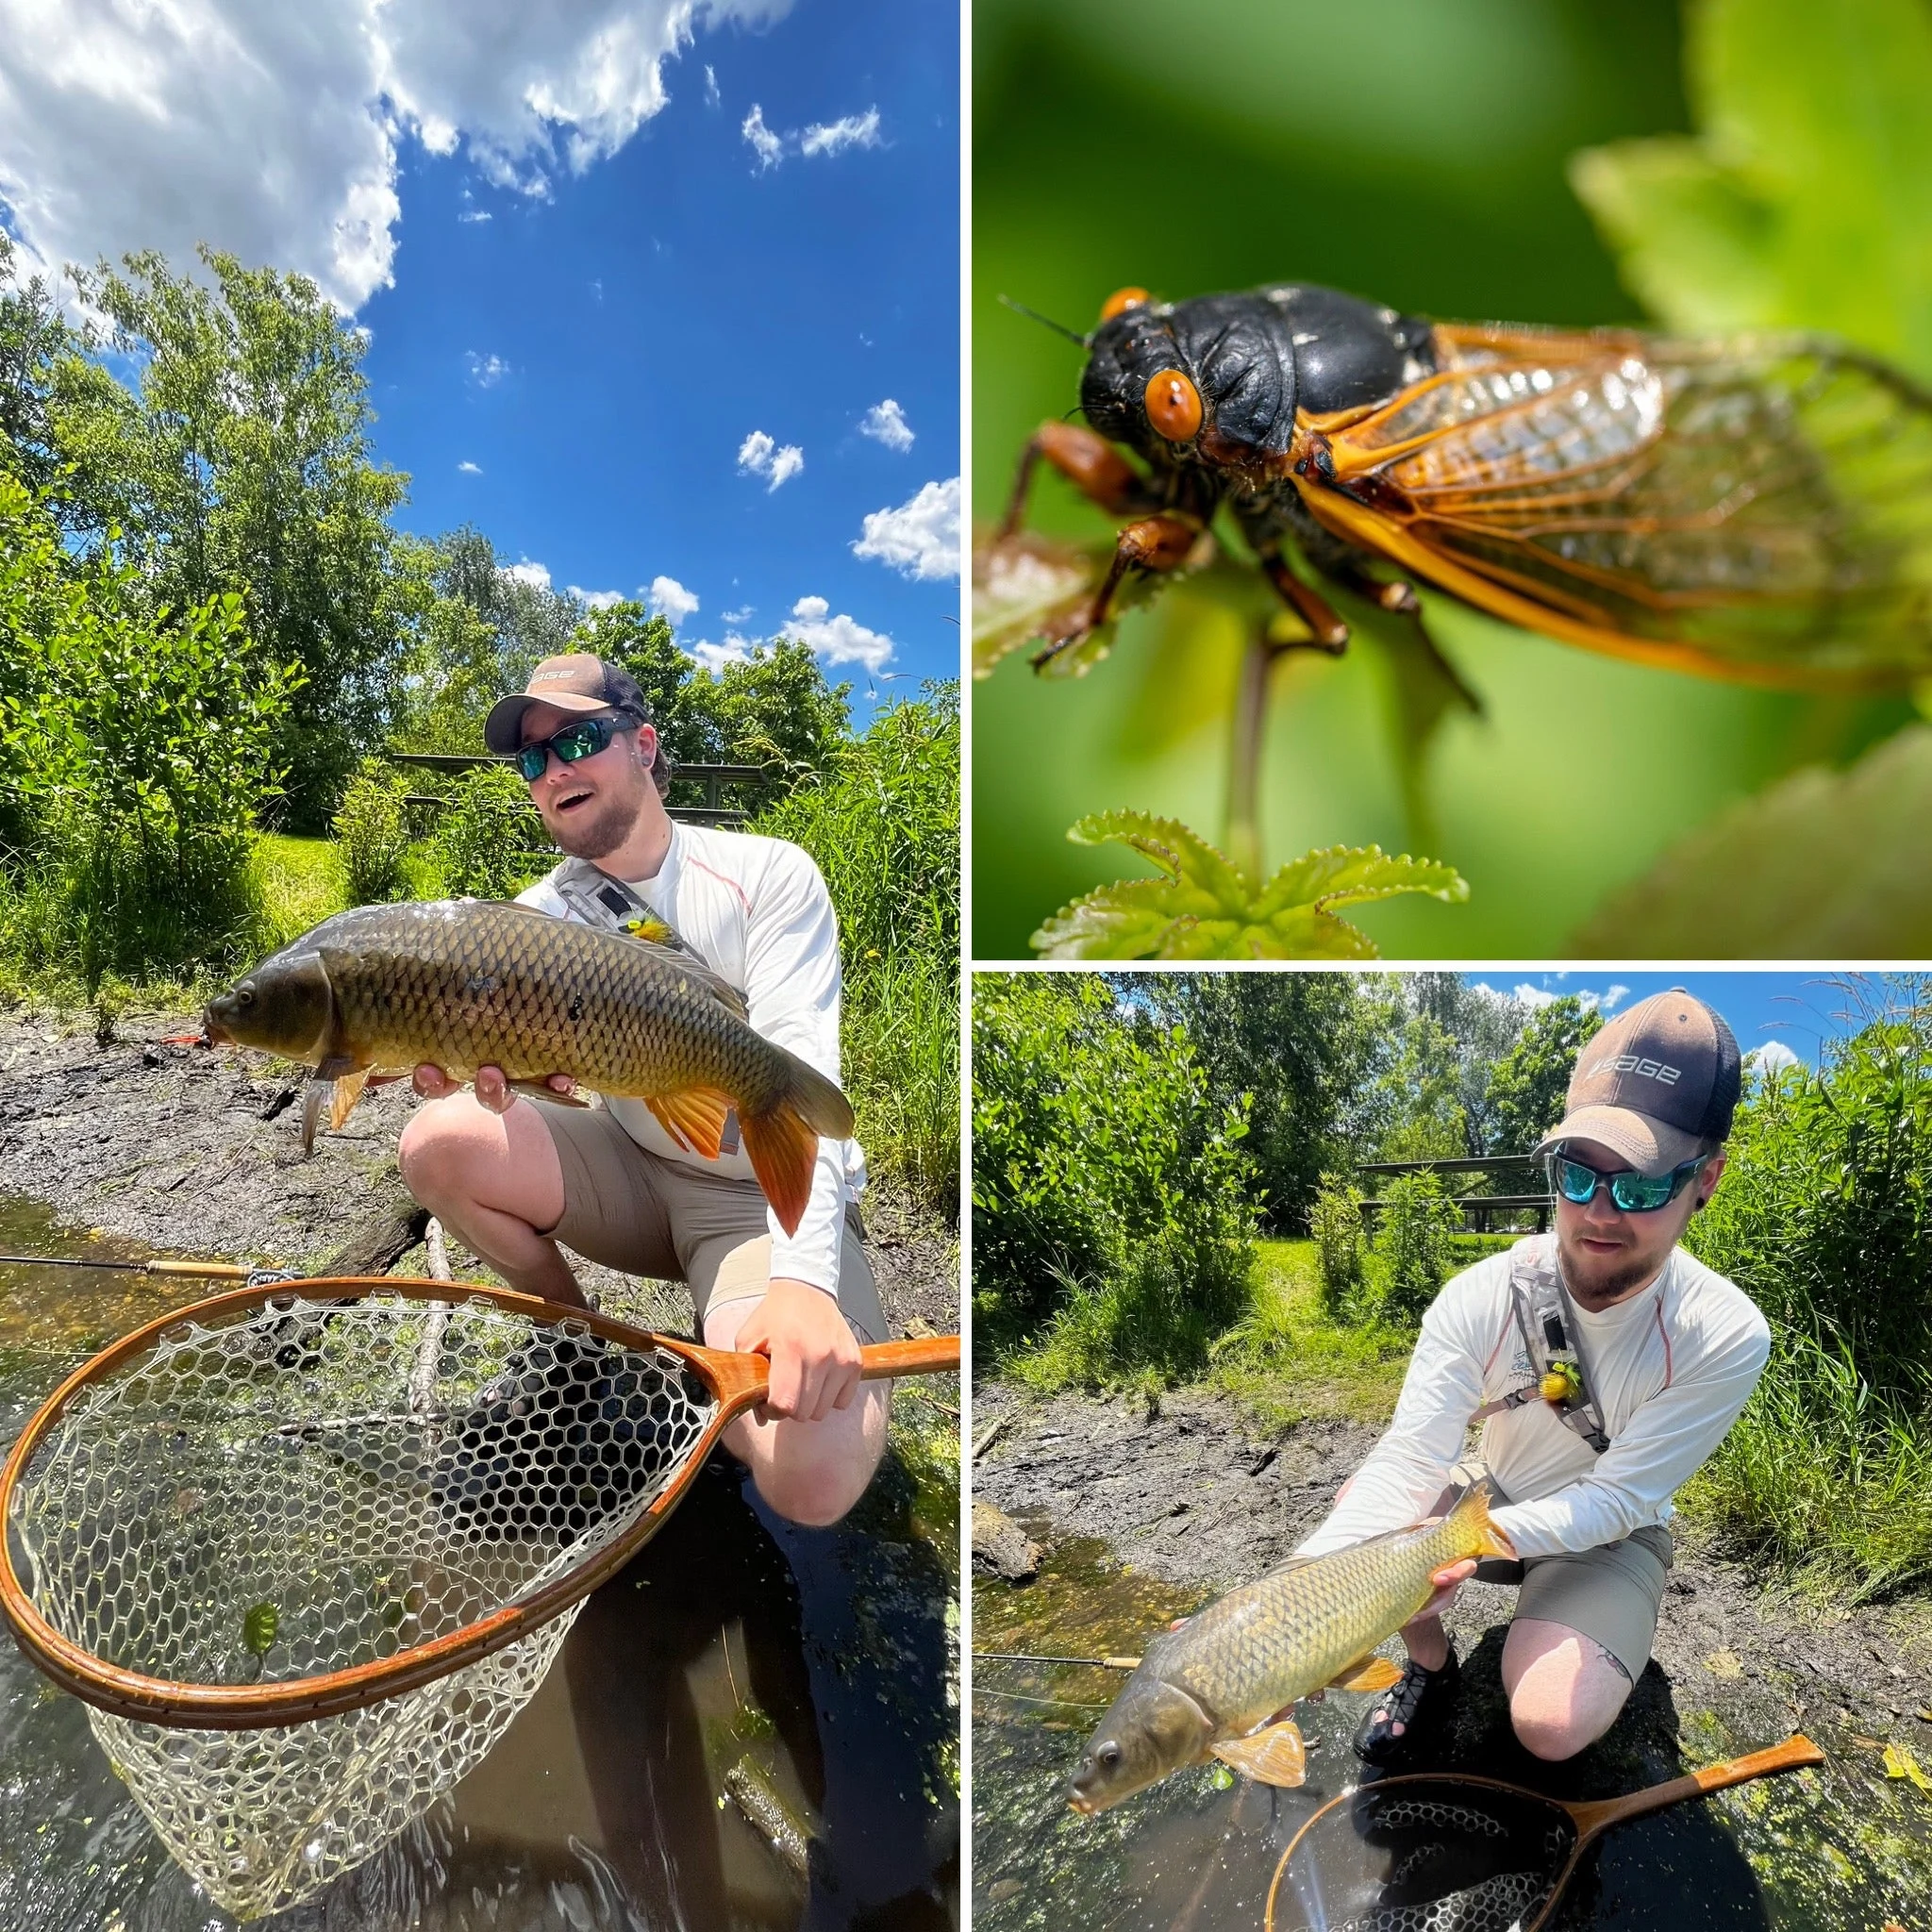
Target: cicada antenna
(1060,328)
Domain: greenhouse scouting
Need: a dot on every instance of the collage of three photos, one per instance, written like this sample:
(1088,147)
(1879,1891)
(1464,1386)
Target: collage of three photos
(966,968)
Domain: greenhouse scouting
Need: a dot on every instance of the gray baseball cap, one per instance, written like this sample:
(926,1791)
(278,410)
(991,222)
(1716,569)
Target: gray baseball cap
(1655,1085)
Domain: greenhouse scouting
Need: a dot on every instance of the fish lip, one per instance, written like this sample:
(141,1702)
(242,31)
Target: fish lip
(1084,1805)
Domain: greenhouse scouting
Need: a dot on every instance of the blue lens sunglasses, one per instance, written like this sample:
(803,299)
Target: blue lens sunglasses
(1631,1193)
(584,739)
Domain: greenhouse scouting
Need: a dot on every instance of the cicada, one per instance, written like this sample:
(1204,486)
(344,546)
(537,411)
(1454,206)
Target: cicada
(1757,508)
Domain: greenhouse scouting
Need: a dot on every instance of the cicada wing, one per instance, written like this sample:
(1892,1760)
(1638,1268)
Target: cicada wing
(1422,1855)
(1758,509)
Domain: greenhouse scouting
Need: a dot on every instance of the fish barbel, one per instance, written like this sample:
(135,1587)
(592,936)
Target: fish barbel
(467,983)
(1201,1691)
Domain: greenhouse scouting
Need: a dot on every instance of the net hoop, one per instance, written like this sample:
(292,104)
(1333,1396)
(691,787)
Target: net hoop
(736,1382)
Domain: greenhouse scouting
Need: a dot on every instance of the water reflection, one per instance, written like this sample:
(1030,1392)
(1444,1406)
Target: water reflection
(748,1728)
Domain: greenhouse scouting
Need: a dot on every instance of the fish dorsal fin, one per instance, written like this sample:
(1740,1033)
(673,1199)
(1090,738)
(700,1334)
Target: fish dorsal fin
(662,942)
(1366,1673)
(695,1119)
(1272,1755)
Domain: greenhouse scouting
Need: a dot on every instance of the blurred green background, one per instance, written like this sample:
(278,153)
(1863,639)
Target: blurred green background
(1414,153)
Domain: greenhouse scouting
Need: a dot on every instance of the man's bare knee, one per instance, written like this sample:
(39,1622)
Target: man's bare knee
(433,1155)
(1543,1734)
(815,1495)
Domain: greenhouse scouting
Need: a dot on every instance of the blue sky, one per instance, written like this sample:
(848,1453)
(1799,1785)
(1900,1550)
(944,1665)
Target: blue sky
(1797,1011)
(656,297)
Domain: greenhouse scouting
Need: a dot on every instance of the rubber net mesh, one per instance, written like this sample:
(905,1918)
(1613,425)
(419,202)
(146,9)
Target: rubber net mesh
(318,1487)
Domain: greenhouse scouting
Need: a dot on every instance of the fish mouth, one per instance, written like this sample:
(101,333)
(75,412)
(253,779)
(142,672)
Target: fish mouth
(213,1032)
(1082,1804)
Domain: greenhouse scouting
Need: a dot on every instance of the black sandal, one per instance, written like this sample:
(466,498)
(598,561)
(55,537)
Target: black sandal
(1376,1741)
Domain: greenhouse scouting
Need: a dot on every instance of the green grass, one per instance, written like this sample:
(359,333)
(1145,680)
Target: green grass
(299,883)
(1286,1361)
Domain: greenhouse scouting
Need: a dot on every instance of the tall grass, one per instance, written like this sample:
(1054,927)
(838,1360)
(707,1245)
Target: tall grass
(883,823)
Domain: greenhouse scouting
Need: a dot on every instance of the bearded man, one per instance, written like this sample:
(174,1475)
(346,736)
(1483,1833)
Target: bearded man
(513,1177)
(1605,1364)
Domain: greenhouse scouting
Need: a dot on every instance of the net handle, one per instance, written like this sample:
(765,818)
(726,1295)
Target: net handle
(737,1382)
(1797,1752)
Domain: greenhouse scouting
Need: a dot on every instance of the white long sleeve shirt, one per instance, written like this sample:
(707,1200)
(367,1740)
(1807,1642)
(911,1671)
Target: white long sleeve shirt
(756,912)
(1671,1368)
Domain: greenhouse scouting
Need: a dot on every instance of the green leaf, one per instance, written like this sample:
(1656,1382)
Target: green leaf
(1205,907)
(1030,589)
(1806,202)
(1824,865)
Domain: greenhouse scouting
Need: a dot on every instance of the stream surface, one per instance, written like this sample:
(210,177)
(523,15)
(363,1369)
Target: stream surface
(820,1665)
(1840,1849)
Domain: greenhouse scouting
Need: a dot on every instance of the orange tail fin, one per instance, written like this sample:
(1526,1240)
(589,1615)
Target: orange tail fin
(1481,1537)
(782,1151)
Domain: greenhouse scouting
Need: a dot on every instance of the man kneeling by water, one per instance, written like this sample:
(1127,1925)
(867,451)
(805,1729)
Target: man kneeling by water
(513,1178)
(1605,1364)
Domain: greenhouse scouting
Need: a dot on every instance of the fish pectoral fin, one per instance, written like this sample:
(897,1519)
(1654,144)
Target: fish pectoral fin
(1366,1674)
(347,1092)
(1273,1755)
(695,1119)
(541,1089)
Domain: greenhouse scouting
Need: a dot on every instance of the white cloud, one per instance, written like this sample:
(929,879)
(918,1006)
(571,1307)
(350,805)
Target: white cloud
(711,95)
(486,372)
(470,469)
(273,131)
(766,144)
(834,137)
(597,600)
(1613,998)
(886,423)
(740,616)
(920,539)
(840,640)
(1532,995)
(1774,1056)
(734,650)
(670,599)
(535,574)
(759,455)
(475,214)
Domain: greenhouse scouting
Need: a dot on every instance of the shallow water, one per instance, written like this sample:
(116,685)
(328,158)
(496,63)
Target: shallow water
(1841,1849)
(811,1671)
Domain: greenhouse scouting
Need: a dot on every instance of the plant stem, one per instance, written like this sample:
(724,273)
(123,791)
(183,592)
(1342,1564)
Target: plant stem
(1244,760)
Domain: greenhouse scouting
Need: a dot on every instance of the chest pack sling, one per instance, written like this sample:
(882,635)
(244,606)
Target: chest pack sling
(1554,1340)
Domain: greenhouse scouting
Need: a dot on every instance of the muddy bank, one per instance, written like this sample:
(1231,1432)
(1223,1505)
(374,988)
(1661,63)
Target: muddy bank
(1192,1497)
(174,1147)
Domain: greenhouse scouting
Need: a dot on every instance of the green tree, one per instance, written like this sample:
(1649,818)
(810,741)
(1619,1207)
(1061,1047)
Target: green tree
(34,341)
(1528,1085)
(1298,1044)
(241,464)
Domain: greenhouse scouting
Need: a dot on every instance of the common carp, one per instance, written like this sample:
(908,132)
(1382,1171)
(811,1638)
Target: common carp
(467,983)
(1203,1690)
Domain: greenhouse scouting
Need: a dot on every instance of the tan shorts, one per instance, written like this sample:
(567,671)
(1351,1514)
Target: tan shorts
(634,1210)
(1610,1594)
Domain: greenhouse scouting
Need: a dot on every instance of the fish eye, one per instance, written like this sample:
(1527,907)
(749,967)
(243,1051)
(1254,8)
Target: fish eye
(1174,405)
(244,995)
(1110,1753)
(1120,301)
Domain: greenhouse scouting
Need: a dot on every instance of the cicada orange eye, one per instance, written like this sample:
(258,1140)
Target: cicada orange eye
(1120,301)
(1174,405)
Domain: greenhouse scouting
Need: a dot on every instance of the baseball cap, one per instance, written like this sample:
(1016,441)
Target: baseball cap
(1655,1085)
(576,681)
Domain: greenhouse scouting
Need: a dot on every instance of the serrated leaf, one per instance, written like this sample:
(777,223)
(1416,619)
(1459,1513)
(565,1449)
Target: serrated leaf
(1824,865)
(1205,907)
(1806,201)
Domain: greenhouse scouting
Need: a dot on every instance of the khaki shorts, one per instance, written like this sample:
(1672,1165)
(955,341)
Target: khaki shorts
(634,1210)
(1610,1594)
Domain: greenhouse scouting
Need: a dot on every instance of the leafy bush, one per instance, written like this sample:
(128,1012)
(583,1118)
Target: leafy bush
(1414,1255)
(484,847)
(1336,1224)
(1822,1218)
(373,835)
(882,821)
(1112,1228)
(138,752)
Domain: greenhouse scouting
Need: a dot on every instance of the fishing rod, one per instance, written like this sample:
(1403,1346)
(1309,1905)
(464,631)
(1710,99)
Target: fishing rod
(206,1271)
(1021,1656)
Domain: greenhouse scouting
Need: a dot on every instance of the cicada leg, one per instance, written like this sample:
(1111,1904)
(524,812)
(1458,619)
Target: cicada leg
(1156,542)
(1087,462)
